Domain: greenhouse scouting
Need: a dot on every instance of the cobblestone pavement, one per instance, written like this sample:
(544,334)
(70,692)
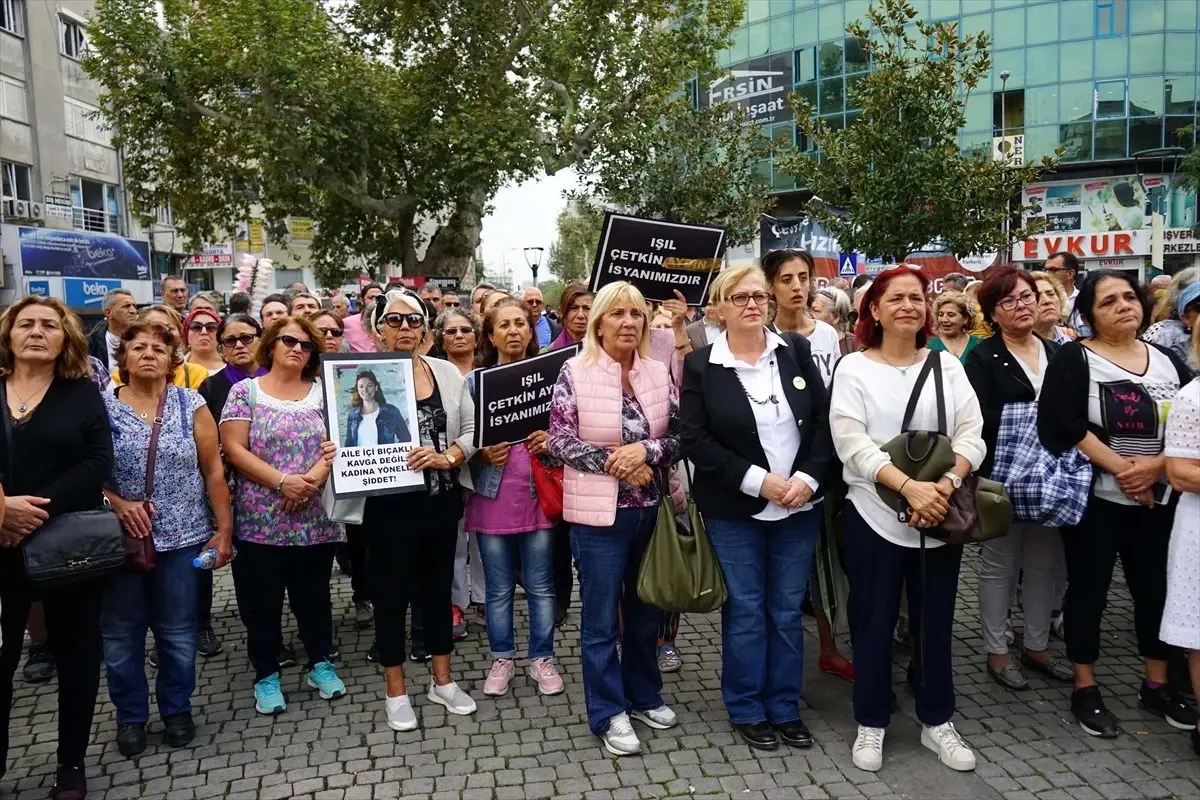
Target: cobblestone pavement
(527,746)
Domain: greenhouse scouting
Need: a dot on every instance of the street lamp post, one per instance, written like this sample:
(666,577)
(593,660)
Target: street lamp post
(533,257)
(1004,76)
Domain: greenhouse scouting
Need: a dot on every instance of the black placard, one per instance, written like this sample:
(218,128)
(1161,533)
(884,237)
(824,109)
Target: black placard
(658,257)
(513,400)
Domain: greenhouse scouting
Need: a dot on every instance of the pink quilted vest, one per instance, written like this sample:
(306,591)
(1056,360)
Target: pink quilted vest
(588,498)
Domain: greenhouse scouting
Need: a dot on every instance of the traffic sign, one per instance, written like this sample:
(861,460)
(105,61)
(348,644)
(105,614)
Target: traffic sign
(847,265)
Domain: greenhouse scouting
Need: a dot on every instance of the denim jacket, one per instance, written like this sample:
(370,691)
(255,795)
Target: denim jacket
(485,477)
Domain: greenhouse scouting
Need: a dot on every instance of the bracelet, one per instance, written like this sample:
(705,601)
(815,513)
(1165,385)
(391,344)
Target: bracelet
(282,478)
(901,489)
(683,346)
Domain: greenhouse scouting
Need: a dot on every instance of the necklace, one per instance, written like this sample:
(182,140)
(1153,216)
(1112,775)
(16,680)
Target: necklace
(23,402)
(771,398)
(902,370)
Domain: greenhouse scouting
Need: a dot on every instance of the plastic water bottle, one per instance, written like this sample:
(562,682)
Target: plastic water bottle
(206,560)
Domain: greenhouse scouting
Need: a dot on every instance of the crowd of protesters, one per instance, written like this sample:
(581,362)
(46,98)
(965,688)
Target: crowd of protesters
(778,394)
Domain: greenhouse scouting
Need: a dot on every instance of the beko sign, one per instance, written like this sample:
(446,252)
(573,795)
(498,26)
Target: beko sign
(760,86)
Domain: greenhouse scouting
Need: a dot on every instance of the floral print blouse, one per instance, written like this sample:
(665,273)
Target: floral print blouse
(286,434)
(181,505)
(566,446)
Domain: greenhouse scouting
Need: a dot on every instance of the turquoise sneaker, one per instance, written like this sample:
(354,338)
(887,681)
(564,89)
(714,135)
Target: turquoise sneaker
(324,678)
(268,697)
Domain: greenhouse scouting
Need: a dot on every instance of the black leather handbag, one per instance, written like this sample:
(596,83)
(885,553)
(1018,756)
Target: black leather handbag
(71,547)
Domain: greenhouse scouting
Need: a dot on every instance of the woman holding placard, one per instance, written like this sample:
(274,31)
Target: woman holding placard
(411,537)
(614,422)
(513,533)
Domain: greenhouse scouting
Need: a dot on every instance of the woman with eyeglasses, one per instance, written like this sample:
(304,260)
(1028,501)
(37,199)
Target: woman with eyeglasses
(410,537)
(200,339)
(332,331)
(1011,368)
(273,433)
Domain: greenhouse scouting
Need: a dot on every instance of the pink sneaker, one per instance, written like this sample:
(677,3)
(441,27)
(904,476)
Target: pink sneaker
(548,680)
(499,677)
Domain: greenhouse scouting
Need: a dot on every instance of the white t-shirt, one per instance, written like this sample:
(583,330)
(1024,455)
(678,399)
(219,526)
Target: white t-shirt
(113,341)
(826,348)
(368,429)
(1035,372)
(867,410)
(1131,409)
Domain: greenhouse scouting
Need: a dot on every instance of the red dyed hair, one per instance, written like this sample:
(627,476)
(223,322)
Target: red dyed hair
(867,332)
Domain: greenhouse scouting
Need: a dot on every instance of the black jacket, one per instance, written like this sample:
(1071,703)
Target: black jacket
(720,437)
(98,345)
(999,380)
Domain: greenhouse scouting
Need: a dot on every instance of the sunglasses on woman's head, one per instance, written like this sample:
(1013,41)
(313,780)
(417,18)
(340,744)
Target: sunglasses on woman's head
(395,320)
(232,341)
(336,332)
(291,343)
(206,327)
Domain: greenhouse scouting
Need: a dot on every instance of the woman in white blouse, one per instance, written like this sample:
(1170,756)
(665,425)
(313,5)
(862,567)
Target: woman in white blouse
(869,395)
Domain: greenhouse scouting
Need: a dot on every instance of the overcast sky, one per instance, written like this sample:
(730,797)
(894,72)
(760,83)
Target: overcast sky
(524,216)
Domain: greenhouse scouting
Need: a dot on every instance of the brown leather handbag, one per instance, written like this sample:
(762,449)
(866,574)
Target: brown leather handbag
(139,553)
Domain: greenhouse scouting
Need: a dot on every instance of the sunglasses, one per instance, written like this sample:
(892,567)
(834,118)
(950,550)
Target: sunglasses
(206,327)
(335,332)
(291,343)
(451,303)
(535,302)
(457,331)
(232,341)
(395,320)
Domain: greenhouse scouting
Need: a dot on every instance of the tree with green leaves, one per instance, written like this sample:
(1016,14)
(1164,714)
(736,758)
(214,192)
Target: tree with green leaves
(382,119)
(572,254)
(894,180)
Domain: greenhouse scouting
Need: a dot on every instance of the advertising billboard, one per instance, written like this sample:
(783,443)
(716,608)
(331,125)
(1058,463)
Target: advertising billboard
(81,254)
(760,86)
(1104,205)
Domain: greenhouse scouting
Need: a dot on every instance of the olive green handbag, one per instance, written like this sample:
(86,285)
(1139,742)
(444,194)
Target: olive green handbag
(679,571)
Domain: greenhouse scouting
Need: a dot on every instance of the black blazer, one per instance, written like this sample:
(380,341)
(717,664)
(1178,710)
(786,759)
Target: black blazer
(719,435)
(999,380)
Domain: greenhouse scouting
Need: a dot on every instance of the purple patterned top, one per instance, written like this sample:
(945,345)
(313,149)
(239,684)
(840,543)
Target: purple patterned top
(286,434)
(566,445)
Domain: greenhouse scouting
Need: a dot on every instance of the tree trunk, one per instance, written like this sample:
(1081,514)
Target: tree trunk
(451,249)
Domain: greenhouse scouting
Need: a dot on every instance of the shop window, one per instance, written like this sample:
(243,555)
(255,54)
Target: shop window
(1008,112)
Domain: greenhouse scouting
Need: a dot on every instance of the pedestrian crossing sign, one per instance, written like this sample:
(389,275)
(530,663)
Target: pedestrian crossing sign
(847,265)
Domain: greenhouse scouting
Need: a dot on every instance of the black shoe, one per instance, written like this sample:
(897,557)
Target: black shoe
(416,649)
(1165,702)
(560,616)
(207,643)
(1196,741)
(373,653)
(759,735)
(131,738)
(180,730)
(70,783)
(39,665)
(286,658)
(364,615)
(794,734)
(1088,707)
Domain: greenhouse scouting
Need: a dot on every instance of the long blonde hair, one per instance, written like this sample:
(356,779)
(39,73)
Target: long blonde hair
(606,299)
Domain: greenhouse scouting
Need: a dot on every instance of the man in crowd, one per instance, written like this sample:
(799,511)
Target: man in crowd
(240,303)
(480,291)
(545,329)
(304,305)
(341,306)
(120,311)
(450,300)
(431,293)
(1065,267)
(358,337)
(294,288)
(175,293)
(955,282)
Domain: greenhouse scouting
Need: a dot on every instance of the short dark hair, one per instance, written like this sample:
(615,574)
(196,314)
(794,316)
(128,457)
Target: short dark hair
(275,297)
(489,356)
(240,302)
(1086,301)
(244,319)
(362,293)
(956,278)
(265,355)
(999,282)
(774,260)
(859,280)
(1069,260)
(164,334)
(298,295)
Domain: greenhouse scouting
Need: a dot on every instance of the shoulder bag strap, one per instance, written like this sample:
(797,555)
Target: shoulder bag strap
(911,408)
(252,393)
(152,456)
(940,392)
(8,438)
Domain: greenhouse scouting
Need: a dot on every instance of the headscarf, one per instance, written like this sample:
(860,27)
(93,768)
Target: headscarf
(196,312)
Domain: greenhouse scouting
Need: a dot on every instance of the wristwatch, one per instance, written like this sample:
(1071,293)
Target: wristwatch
(954,479)
(450,459)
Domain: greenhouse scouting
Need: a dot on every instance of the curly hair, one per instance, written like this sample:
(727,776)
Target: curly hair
(162,333)
(266,348)
(72,361)
(960,300)
(356,398)
(439,325)
(165,310)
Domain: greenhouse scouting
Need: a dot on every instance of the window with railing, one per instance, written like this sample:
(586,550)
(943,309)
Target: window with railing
(17,181)
(12,99)
(96,207)
(12,16)
(86,122)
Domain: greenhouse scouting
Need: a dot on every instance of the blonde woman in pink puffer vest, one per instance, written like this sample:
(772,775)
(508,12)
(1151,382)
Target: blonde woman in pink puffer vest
(614,422)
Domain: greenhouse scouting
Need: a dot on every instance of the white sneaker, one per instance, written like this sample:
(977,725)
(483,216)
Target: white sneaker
(452,698)
(660,718)
(868,748)
(400,714)
(619,739)
(949,745)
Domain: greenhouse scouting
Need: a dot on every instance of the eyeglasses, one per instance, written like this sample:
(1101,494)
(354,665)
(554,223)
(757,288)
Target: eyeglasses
(206,327)
(535,302)
(291,343)
(1024,298)
(1056,270)
(451,303)
(395,320)
(742,299)
(246,339)
(457,331)
(334,332)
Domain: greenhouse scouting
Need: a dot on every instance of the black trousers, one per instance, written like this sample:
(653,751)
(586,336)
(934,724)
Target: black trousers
(1141,536)
(73,636)
(356,550)
(410,541)
(564,574)
(204,596)
(877,568)
(261,574)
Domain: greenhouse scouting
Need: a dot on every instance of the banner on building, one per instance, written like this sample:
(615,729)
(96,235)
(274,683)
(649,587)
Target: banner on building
(1104,205)
(513,400)
(256,235)
(301,229)
(658,257)
(213,255)
(760,86)
(81,254)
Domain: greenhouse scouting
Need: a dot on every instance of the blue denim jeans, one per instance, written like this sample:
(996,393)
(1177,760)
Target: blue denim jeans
(533,554)
(766,567)
(608,560)
(163,601)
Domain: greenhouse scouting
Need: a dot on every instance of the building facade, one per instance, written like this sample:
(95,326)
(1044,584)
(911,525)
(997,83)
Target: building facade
(1107,80)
